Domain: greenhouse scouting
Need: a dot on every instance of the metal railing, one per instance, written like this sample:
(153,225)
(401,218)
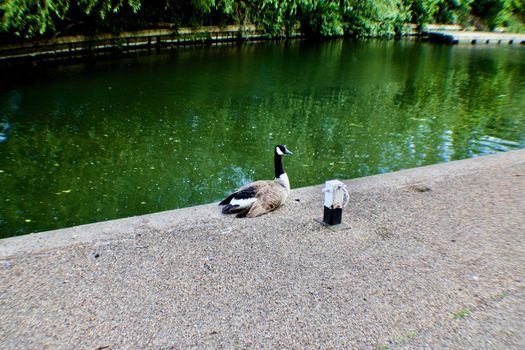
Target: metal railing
(75,47)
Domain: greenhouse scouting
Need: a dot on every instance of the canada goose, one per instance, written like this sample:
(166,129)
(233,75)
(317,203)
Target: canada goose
(260,197)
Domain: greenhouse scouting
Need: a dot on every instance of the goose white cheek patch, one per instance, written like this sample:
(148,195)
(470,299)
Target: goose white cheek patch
(278,150)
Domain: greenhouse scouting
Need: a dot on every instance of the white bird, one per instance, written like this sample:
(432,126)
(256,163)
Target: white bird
(260,197)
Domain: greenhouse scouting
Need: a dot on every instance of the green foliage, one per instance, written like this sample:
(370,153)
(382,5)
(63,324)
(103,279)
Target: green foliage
(375,18)
(102,7)
(238,10)
(278,18)
(423,11)
(322,18)
(518,7)
(30,18)
(495,12)
(515,24)
(440,11)
(326,18)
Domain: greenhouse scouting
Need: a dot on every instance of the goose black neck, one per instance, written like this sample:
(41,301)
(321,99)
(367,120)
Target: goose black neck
(278,163)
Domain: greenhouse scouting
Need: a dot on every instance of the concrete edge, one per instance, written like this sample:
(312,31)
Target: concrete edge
(124,228)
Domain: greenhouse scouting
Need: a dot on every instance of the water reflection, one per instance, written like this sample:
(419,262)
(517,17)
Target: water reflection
(171,131)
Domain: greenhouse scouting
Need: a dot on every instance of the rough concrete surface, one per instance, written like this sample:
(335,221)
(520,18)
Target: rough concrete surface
(434,259)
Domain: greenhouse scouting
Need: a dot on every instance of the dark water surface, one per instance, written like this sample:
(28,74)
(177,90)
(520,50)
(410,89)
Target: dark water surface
(86,143)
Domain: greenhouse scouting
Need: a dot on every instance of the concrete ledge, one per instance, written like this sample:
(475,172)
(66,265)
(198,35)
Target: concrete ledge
(433,259)
(463,37)
(123,228)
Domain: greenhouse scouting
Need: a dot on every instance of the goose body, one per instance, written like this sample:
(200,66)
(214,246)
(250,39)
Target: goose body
(260,197)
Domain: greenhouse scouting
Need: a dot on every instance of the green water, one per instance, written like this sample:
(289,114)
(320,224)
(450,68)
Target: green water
(86,143)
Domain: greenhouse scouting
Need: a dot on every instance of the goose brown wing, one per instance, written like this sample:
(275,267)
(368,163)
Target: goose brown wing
(270,196)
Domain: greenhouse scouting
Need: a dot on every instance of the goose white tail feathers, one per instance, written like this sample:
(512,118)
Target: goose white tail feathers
(260,197)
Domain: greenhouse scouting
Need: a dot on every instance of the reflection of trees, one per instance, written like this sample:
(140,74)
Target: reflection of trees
(469,94)
(126,144)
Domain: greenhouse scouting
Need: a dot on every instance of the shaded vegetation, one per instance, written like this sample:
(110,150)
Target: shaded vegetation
(362,18)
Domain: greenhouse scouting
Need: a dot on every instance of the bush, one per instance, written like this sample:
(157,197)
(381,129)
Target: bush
(326,18)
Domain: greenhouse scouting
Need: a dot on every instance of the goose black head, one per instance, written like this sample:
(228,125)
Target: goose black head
(281,149)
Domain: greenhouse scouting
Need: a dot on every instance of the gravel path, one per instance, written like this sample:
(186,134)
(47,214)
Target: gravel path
(434,259)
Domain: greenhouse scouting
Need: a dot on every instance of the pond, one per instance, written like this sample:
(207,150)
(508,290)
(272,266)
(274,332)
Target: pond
(93,142)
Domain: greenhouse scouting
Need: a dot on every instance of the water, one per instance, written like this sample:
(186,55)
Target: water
(86,143)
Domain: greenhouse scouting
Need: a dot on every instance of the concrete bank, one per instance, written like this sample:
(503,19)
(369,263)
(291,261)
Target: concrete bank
(473,37)
(434,258)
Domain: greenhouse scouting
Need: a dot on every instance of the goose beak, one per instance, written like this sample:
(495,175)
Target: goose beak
(286,151)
